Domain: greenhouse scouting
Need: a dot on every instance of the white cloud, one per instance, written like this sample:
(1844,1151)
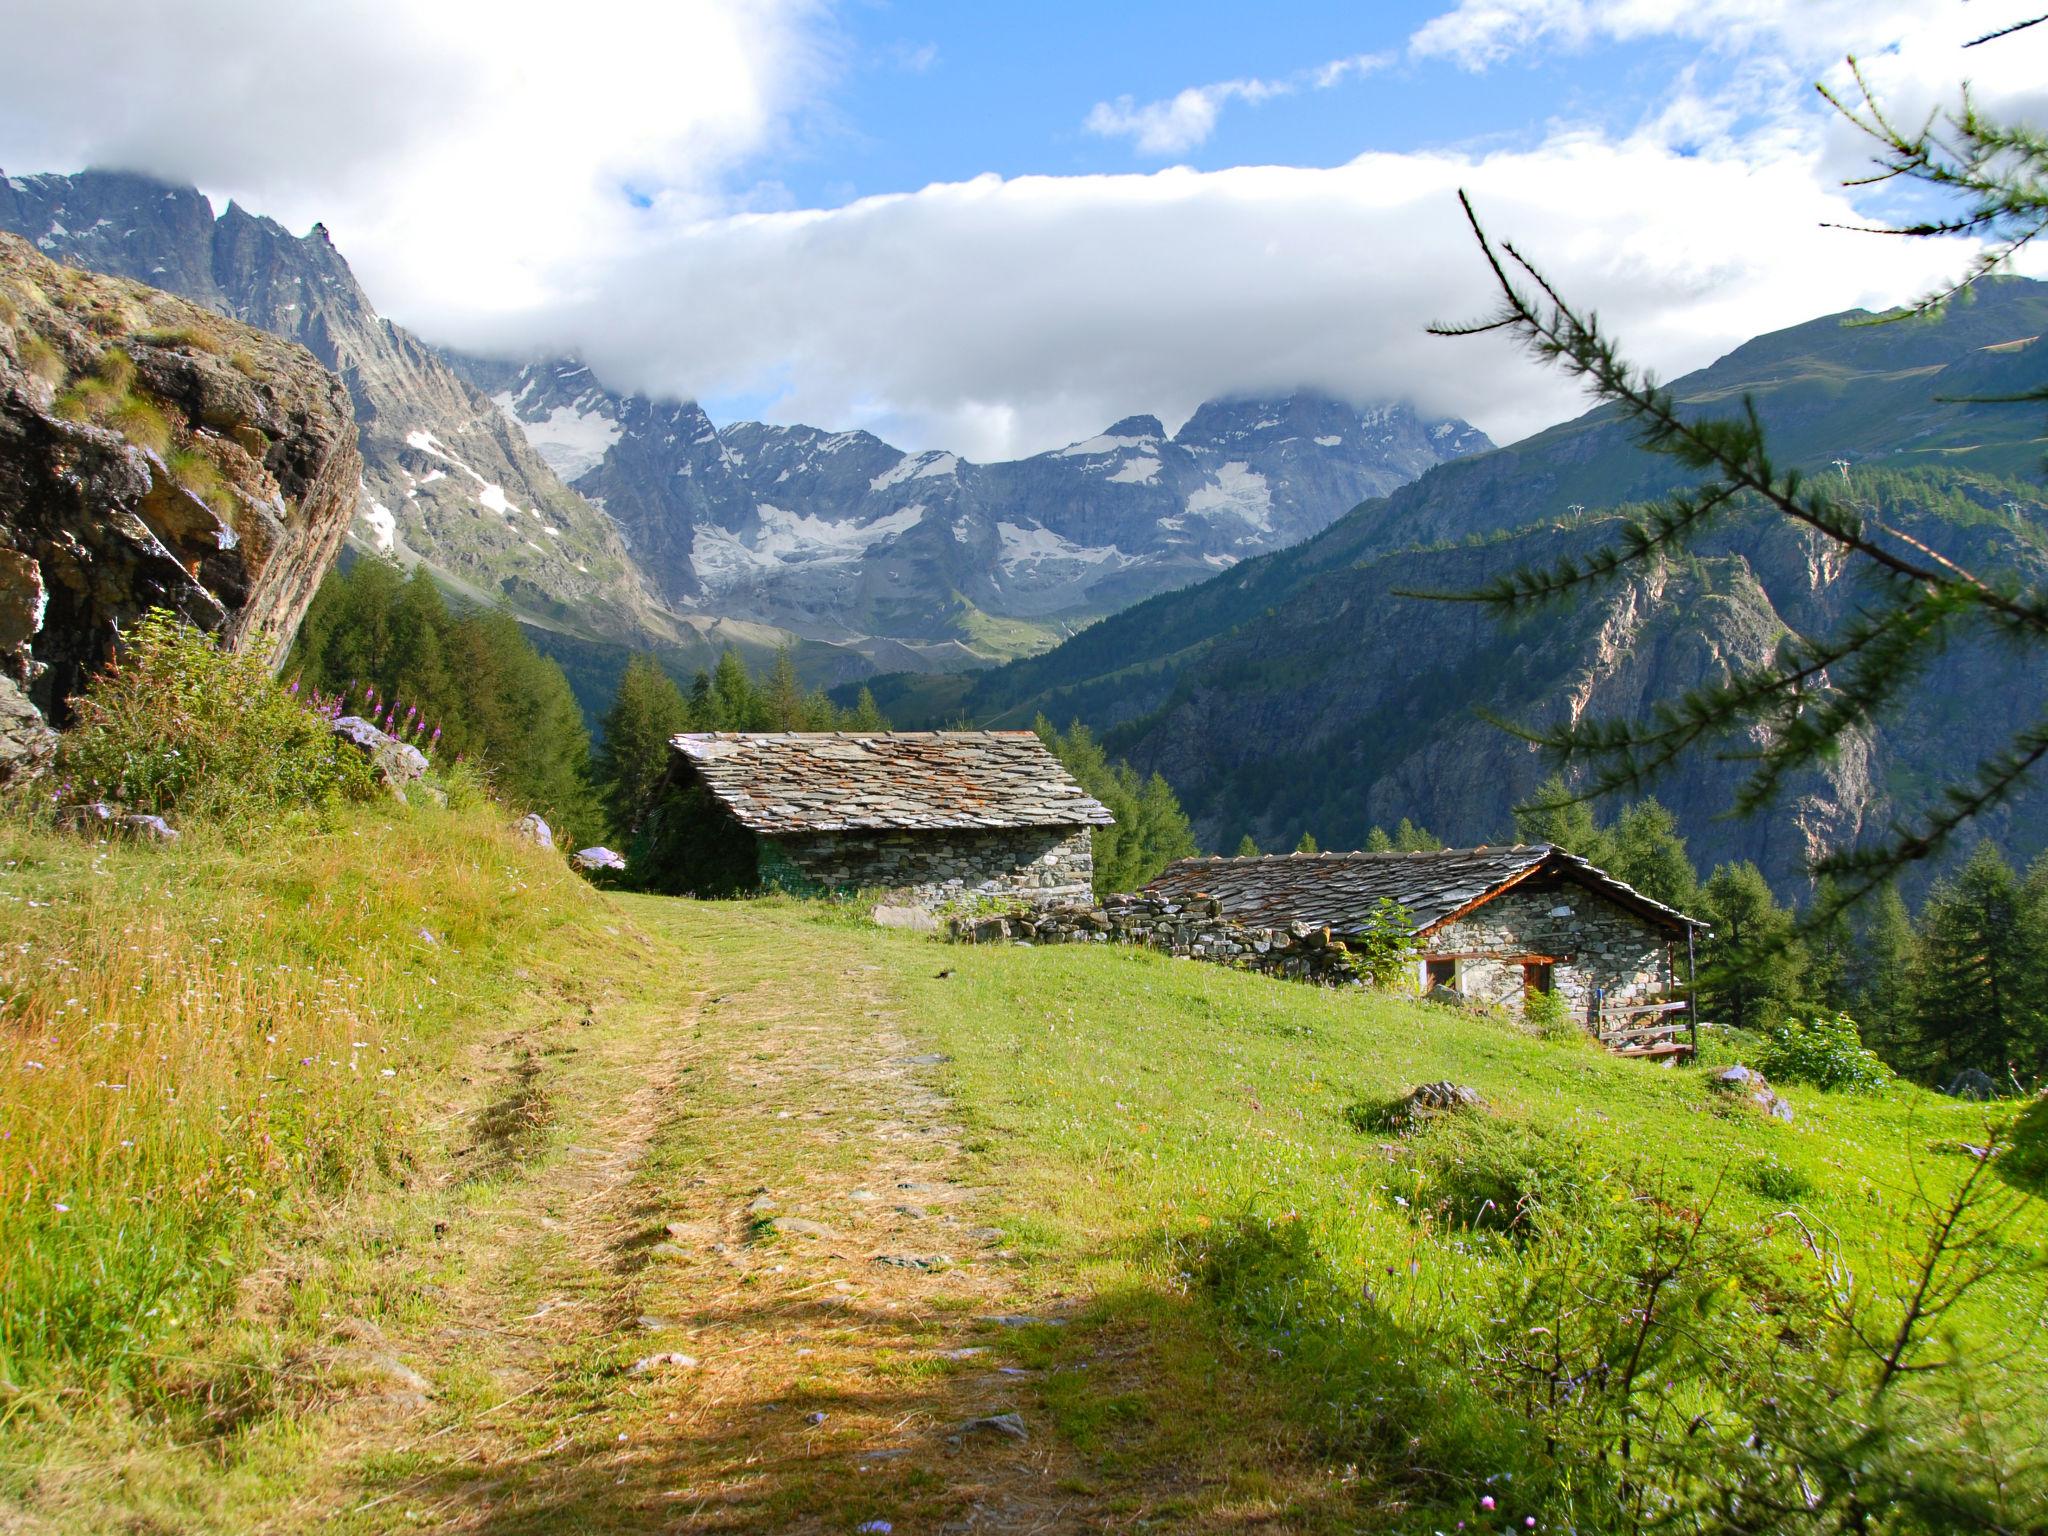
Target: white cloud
(1183,121)
(473,159)
(483,144)
(1002,316)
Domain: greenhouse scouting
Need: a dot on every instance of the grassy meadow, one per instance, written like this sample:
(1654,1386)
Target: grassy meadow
(262,1100)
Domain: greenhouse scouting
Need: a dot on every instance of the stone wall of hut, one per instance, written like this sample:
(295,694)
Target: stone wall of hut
(1194,930)
(941,868)
(1596,945)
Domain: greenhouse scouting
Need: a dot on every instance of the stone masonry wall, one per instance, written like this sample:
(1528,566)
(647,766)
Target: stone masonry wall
(1195,930)
(1597,944)
(933,869)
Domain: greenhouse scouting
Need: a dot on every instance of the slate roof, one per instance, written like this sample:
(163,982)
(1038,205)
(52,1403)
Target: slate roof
(1338,891)
(834,781)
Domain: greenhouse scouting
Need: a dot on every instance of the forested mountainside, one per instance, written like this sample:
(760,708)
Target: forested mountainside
(1302,691)
(830,532)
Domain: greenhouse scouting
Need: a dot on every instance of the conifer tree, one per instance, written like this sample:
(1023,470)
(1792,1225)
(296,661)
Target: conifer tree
(732,695)
(1409,838)
(782,702)
(1650,855)
(1150,831)
(1969,1002)
(647,712)
(867,715)
(1753,971)
(1555,815)
(1377,841)
(1246,848)
(1880,993)
(1307,844)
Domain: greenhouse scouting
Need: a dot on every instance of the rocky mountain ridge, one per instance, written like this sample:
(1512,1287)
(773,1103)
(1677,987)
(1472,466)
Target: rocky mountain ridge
(614,517)
(445,477)
(795,525)
(1303,691)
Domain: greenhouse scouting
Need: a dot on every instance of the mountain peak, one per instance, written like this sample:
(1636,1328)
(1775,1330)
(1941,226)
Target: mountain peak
(1138,426)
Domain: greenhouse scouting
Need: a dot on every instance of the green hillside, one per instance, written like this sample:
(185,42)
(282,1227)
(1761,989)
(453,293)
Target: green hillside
(443,1192)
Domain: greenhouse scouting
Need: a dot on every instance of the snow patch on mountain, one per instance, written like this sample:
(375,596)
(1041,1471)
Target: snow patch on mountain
(1097,447)
(571,442)
(914,466)
(1329,442)
(383,526)
(1138,469)
(1037,545)
(784,538)
(1235,490)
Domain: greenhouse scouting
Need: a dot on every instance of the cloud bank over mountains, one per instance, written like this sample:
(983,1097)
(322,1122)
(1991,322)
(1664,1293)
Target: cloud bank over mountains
(531,180)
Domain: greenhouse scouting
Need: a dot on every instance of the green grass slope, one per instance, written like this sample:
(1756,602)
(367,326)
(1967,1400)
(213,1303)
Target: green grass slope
(356,1172)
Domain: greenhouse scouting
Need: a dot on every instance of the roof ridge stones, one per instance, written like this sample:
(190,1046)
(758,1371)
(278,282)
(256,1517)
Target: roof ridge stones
(785,782)
(1341,891)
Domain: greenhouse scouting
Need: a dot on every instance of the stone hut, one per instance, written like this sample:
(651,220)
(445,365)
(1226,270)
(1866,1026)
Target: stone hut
(930,817)
(1491,924)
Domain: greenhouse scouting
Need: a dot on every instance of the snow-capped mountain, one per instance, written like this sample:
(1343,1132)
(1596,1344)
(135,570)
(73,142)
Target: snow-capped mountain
(622,517)
(832,530)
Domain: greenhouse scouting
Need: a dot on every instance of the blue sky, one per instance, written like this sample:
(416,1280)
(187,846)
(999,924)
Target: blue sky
(942,92)
(996,227)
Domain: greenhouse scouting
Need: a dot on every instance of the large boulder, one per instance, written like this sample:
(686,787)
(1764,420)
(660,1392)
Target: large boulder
(593,860)
(1748,1085)
(152,455)
(396,763)
(530,828)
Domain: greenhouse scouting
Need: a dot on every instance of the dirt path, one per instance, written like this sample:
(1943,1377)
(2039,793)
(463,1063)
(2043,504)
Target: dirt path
(750,1289)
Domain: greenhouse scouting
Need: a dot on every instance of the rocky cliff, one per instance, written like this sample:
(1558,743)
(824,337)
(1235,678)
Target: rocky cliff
(152,454)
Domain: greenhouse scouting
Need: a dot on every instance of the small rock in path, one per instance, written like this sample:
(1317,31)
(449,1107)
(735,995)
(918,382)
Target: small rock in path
(922,1261)
(649,1363)
(1009,1424)
(797,1226)
(652,1324)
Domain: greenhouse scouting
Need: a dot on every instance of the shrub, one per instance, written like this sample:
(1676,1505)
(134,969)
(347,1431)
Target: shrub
(1827,1052)
(1551,1018)
(1383,950)
(1499,1175)
(177,723)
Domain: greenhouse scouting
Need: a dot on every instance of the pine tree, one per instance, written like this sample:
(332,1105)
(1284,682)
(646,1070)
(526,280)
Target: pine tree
(1880,996)
(1790,713)
(1649,854)
(1409,838)
(1830,948)
(782,702)
(1754,967)
(1554,815)
(1246,848)
(1969,986)
(867,715)
(646,713)
(1150,830)
(1307,844)
(1377,841)
(733,706)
